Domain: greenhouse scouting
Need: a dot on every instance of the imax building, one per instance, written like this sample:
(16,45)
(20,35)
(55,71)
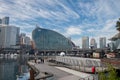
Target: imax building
(45,39)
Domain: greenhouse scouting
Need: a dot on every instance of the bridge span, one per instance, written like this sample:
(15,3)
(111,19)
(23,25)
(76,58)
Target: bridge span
(81,64)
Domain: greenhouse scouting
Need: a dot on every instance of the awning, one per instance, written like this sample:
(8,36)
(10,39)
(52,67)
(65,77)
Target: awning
(117,36)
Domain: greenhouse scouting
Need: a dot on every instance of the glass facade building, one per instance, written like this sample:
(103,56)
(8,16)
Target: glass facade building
(102,42)
(8,36)
(85,42)
(45,39)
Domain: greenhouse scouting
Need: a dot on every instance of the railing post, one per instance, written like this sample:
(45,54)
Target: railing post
(32,74)
(93,78)
(88,78)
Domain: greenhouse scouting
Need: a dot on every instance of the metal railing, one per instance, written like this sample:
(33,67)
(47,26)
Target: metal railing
(90,78)
(80,64)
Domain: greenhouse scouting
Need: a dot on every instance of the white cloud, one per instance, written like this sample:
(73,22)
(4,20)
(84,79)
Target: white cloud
(107,8)
(110,25)
(103,12)
(27,34)
(68,11)
(77,42)
(72,30)
(29,9)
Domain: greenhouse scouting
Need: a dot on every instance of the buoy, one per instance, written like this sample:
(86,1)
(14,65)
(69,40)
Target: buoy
(93,69)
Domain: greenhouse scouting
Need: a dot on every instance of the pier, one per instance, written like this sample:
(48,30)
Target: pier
(62,73)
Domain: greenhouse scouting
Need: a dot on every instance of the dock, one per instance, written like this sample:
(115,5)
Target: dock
(61,73)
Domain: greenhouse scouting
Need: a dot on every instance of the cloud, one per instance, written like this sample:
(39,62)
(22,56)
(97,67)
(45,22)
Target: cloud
(110,25)
(77,42)
(72,30)
(108,8)
(94,18)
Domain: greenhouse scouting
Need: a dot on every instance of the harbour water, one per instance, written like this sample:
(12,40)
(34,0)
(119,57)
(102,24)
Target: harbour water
(12,68)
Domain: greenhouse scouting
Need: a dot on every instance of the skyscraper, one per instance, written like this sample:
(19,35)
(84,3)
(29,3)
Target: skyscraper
(24,40)
(85,42)
(93,43)
(0,21)
(8,35)
(18,36)
(5,21)
(102,42)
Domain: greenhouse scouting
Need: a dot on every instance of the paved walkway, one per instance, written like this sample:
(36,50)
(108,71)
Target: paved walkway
(61,73)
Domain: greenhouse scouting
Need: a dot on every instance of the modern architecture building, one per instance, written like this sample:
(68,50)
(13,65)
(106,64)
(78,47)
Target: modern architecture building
(4,21)
(85,42)
(24,40)
(27,40)
(18,36)
(115,42)
(102,42)
(93,43)
(8,36)
(46,39)
(0,21)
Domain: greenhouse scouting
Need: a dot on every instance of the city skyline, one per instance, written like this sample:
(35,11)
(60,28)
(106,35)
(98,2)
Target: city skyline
(71,18)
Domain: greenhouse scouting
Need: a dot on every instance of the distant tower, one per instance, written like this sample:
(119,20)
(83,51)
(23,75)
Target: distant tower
(93,43)
(5,21)
(22,38)
(0,21)
(85,42)
(102,42)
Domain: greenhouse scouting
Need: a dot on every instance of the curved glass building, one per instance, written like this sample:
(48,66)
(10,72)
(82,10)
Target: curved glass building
(45,39)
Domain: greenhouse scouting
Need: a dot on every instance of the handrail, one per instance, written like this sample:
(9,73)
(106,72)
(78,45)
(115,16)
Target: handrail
(48,74)
(92,77)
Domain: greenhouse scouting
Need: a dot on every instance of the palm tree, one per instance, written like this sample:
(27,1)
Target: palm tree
(118,25)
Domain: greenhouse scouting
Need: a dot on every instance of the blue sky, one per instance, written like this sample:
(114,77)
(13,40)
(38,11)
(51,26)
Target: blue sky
(72,18)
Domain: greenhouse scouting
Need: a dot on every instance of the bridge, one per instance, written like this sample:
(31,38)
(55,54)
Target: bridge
(81,64)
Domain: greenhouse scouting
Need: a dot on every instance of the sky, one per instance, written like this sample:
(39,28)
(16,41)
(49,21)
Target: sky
(71,18)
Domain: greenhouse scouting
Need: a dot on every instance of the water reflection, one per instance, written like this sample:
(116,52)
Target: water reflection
(14,69)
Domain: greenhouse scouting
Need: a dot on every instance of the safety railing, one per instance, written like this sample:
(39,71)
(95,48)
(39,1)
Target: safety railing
(95,77)
(81,64)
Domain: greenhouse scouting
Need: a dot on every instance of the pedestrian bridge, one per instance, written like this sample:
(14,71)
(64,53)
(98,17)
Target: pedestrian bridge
(88,62)
(81,64)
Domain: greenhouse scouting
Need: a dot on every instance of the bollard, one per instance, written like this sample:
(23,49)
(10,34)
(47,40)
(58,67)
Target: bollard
(32,74)
(35,60)
(93,70)
(93,77)
(88,78)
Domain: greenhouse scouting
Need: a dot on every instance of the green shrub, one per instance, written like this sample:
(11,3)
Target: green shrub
(111,75)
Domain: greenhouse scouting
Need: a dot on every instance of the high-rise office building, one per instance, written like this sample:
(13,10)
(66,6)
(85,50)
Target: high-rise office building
(93,43)
(18,36)
(0,21)
(5,21)
(8,35)
(85,42)
(27,40)
(24,40)
(102,42)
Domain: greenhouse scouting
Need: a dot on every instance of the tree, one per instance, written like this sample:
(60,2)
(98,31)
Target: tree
(111,75)
(118,25)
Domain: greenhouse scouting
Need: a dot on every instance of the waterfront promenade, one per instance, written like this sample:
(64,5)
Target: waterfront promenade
(61,73)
